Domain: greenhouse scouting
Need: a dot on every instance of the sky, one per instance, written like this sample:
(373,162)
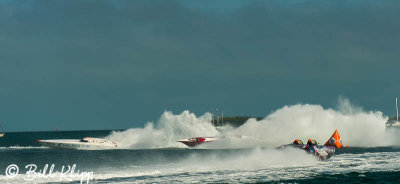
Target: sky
(119,64)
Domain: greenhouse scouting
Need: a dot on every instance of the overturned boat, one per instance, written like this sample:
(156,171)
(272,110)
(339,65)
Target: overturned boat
(322,152)
(85,143)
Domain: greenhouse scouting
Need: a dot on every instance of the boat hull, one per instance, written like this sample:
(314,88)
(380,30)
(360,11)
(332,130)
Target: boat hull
(75,144)
(195,141)
(322,152)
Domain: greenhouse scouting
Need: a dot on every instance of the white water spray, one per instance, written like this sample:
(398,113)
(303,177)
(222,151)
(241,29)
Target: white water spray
(301,121)
(314,122)
(166,132)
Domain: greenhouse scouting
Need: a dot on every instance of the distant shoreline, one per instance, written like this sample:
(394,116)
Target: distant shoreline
(235,121)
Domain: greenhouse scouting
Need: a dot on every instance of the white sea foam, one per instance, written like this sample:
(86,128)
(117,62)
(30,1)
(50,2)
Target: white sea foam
(194,166)
(301,121)
(250,165)
(166,132)
(198,164)
(304,121)
(256,165)
(243,166)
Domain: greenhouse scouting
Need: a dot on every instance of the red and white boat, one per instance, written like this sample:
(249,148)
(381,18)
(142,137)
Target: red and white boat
(191,142)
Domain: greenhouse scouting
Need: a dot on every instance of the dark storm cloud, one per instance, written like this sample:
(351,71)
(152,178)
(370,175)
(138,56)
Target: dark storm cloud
(116,64)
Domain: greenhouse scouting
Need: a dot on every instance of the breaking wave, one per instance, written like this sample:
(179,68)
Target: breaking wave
(301,121)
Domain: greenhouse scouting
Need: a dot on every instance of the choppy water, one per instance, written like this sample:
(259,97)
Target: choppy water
(363,165)
(152,155)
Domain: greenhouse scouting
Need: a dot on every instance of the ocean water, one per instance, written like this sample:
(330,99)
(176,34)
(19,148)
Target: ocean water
(246,154)
(362,165)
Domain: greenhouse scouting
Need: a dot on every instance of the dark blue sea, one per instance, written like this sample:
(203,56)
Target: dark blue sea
(184,165)
(244,154)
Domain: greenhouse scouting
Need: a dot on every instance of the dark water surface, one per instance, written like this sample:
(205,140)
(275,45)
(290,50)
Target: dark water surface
(173,165)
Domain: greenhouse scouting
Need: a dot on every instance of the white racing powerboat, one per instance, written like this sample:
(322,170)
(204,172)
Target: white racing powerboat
(85,143)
